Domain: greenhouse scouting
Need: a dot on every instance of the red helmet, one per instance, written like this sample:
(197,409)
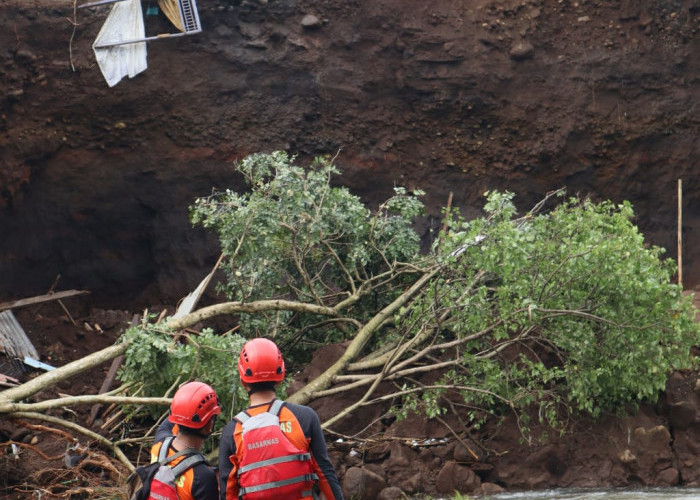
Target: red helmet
(260,361)
(193,405)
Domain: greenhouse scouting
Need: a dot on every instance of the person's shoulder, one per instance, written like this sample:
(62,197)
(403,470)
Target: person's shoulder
(301,410)
(229,427)
(204,470)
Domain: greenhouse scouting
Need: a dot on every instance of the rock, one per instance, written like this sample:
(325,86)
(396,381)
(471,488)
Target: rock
(309,21)
(487,489)
(681,415)
(412,484)
(454,477)
(391,493)
(668,477)
(110,318)
(627,457)
(400,455)
(24,55)
(521,51)
(362,484)
(19,435)
(377,469)
(655,438)
(462,454)
(377,453)
(425,455)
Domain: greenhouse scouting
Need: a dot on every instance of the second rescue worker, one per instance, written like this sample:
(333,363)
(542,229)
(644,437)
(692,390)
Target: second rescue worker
(274,449)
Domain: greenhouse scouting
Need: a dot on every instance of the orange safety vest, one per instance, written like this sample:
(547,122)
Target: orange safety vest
(291,429)
(183,483)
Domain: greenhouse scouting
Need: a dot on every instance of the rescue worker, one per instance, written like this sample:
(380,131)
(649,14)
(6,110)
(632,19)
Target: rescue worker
(193,412)
(261,369)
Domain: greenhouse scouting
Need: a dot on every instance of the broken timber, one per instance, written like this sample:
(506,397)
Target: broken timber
(13,341)
(109,379)
(41,298)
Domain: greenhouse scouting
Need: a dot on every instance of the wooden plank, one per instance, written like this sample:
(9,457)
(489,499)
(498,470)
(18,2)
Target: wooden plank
(42,298)
(106,386)
(13,340)
(109,379)
(7,381)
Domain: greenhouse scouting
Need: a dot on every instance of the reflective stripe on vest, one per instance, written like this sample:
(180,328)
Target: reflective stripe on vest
(276,484)
(302,457)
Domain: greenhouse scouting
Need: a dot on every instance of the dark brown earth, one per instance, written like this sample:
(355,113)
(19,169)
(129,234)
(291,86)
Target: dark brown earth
(658,446)
(600,97)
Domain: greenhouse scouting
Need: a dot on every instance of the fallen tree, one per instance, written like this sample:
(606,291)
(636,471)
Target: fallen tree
(564,308)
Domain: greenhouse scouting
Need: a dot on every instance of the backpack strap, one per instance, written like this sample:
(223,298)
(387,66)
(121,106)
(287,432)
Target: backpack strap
(242,417)
(276,407)
(164,447)
(187,464)
(181,467)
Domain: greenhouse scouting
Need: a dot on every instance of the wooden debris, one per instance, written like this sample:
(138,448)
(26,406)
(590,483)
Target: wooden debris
(41,298)
(13,340)
(188,304)
(106,385)
(111,375)
(7,381)
(65,310)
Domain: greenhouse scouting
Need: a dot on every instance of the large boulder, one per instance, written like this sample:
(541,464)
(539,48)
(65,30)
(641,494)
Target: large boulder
(455,477)
(360,483)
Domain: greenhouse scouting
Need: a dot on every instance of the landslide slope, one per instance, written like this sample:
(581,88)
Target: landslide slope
(600,97)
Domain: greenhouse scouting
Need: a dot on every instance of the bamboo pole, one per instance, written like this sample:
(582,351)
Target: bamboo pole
(680,232)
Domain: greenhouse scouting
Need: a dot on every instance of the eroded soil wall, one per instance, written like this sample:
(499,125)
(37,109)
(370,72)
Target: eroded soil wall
(600,97)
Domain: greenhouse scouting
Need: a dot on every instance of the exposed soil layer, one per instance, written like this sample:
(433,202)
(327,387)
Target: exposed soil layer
(527,95)
(600,97)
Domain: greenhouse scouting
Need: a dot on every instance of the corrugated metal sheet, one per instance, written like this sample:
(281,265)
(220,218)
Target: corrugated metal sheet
(13,340)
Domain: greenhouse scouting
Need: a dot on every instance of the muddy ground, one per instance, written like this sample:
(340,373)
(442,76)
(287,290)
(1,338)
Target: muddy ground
(656,446)
(600,97)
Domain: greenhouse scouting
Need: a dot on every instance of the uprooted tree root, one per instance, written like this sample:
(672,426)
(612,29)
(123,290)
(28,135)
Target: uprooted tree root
(73,483)
(82,473)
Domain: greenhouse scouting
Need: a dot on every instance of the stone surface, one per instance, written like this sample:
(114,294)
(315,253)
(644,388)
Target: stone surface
(362,484)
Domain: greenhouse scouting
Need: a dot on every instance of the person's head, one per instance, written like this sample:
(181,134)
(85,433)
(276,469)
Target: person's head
(260,365)
(194,408)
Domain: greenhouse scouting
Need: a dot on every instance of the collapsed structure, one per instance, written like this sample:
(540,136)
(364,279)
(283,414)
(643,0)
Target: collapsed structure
(120,46)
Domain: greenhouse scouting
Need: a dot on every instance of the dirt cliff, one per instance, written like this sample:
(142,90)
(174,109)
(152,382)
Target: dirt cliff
(600,97)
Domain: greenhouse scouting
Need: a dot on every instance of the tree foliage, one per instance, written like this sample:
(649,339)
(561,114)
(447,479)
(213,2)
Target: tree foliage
(295,236)
(158,360)
(567,307)
(564,308)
